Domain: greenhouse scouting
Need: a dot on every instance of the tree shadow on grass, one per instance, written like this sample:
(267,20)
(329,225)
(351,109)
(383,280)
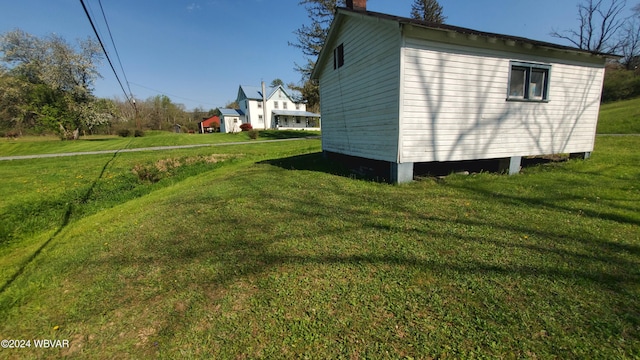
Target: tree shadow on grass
(336,225)
(311,162)
(287,134)
(373,170)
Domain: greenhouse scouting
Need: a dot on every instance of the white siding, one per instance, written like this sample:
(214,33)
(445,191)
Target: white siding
(360,100)
(454,106)
(230,124)
(253,114)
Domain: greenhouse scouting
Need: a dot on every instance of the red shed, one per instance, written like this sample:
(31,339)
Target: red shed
(209,125)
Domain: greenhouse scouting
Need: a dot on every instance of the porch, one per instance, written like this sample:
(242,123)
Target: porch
(295,120)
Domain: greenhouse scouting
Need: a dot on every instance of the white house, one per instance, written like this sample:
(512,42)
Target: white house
(403,91)
(269,109)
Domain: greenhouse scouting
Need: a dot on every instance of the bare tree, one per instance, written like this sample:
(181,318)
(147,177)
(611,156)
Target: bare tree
(310,39)
(599,22)
(630,44)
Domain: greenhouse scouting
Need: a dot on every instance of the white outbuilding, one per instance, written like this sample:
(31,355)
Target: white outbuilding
(402,91)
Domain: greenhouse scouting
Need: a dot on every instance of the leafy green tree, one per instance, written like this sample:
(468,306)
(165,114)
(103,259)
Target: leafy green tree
(277,82)
(59,79)
(232,105)
(427,10)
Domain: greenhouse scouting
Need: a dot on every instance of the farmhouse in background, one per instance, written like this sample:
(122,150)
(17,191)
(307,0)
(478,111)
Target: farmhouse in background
(401,91)
(268,109)
(209,125)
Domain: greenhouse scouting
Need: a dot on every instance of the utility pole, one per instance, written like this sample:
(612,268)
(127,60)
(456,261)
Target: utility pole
(264,105)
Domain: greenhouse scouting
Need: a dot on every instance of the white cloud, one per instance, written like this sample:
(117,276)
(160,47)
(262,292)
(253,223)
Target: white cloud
(193,6)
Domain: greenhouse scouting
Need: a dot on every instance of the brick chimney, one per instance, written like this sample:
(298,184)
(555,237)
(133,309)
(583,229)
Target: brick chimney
(357,5)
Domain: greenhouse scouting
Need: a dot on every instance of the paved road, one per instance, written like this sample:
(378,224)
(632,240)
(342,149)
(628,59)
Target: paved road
(155,148)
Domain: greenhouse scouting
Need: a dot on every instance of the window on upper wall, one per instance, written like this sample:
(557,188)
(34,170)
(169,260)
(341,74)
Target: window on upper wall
(275,104)
(284,105)
(338,56)
(528,82)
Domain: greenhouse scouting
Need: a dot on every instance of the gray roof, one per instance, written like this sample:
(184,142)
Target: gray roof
(255,92)
(295,113)
(231,112)
(252,92)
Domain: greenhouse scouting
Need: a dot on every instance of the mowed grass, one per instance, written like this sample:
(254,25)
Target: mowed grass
(272,253)
(621,117)
(30,145)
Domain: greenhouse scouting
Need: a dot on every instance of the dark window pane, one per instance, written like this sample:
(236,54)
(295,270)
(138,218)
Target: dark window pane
(516,83)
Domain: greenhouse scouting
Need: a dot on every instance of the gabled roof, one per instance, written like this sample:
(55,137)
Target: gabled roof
(341,13)
(231,112)
(211,120)
(255,92)
(250,92)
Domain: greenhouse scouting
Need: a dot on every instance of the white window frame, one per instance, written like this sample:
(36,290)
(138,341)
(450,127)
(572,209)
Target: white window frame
(528,91)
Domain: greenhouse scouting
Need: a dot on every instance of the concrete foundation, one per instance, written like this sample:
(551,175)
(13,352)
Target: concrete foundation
(401,173)
(581,155)
(510,165)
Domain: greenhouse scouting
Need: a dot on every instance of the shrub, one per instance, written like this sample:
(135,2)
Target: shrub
(253,134)
(246,127)
(124,132)
(148,173)
(620,84)
(138,133)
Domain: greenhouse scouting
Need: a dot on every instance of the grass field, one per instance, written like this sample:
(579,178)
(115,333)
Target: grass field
(269,250)
(31,145)
(621,117)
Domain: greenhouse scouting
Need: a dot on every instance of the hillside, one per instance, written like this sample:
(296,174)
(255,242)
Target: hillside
(276,255)
(621,117)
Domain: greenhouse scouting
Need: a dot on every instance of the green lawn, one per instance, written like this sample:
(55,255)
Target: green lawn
(621,117)
(30,145)
(266,250)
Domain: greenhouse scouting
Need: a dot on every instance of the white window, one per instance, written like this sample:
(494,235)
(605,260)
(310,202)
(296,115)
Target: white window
(284,105)
(259,105)
(529,82)
(275,104)
(297,106)
(260,117)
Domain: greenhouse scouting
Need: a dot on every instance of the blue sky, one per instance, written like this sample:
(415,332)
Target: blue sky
(197,52)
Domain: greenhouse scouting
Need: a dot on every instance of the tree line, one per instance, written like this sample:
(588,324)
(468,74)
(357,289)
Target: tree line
(46,83)
(46,86)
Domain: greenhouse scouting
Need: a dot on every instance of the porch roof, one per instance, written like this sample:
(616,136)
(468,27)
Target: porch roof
(295,113)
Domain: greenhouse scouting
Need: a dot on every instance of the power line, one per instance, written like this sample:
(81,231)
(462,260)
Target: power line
(175,96)
(105,52)
(114,47)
